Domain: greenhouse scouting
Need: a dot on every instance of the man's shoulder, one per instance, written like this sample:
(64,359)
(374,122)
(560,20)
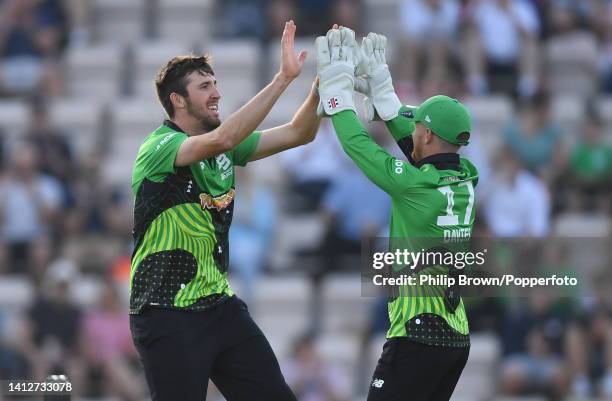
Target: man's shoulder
(159,138)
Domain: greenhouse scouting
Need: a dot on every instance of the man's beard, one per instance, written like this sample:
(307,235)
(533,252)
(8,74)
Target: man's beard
(207,123)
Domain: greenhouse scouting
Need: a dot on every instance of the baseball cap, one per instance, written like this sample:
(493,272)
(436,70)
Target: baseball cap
(446,117)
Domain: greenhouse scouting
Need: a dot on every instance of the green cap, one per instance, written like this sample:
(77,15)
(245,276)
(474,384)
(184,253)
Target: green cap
(445,116)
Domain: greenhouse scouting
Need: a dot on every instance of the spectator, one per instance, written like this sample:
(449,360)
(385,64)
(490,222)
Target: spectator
(354,209)
(313,379)
(252,231)
(591,168)
(347,13)
(51,335)
(30,42)
(534,344)
(536,139)
(240,18)
(311,169)
(501,35)
(96,206)
(516,203)
(429,30)
(108,348)
(591,345)
(53,149)
(30,204)
(278,12)
(571,52)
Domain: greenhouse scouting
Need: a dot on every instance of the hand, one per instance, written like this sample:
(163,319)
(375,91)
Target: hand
(381,98)
(335,68)
(291,65)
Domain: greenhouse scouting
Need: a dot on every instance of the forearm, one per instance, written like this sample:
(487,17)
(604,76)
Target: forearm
(373,160)
(305,122)
(244,121)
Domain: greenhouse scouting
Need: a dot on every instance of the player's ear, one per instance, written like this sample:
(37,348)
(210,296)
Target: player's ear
(177,100)
(429,136)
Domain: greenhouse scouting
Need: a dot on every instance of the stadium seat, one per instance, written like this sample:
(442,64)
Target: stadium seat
(15,293)
(345,309)
(149,58)
(572,64)
(604,108)
(13,118)
(80,120)
(185,20)
(131,120)
(86,291)
(120,21)
(235,63)
(94,72)
(280,308)
(490,114)
(568,111)
(383,17)
(294,233)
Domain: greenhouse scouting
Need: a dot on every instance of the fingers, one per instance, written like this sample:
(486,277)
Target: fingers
(302,57)
(334,39)
(288,37)
(322,49)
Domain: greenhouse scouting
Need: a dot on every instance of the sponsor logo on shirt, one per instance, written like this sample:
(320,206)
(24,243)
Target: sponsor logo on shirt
(220,202)
(164,141)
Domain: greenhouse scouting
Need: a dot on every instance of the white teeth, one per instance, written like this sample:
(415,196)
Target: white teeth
(215,108)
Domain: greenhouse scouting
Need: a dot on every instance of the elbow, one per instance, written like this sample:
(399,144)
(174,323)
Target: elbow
(223,143)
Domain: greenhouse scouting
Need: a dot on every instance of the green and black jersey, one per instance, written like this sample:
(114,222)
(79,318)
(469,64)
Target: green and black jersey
(182,217)
(433,199)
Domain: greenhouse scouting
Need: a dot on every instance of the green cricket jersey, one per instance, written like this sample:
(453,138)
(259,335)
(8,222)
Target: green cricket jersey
(182,217)
(433,198)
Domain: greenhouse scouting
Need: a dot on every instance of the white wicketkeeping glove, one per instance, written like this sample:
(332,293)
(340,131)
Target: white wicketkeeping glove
(335,67)
(374,79)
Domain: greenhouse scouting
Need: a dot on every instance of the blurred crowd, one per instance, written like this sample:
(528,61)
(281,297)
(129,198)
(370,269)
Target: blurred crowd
(61,218)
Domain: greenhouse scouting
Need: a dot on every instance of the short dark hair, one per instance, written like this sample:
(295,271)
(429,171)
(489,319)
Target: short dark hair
(173,77)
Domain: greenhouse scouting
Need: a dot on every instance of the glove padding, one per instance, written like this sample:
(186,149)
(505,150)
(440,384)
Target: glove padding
(381,100)
(335,67)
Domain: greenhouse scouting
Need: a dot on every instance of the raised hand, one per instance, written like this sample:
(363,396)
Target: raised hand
(291,64)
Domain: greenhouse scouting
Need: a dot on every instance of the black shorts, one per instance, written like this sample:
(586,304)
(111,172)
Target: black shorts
(181,350)
(410,371)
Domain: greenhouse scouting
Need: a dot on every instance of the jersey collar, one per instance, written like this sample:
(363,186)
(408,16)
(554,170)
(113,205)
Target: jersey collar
(171,124)
(441,161)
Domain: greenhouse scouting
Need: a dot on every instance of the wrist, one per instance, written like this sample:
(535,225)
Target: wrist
(282,79)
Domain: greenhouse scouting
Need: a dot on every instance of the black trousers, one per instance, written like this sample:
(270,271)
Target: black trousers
(410,371)
(181,350)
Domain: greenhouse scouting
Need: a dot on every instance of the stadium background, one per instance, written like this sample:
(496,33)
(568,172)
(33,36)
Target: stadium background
(78,99)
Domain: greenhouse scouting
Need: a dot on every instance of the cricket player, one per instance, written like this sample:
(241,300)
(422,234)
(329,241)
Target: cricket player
(186,323)
(432,195)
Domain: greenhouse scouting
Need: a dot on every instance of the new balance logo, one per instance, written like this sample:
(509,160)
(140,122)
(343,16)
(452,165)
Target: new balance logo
(378,383)
(333,102)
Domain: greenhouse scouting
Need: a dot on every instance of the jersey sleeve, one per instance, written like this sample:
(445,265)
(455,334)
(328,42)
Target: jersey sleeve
(245,149)
(401,129)
(389,173)
(156,160)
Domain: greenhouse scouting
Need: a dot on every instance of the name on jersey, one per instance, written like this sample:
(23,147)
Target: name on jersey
(457,234)
(450,178)
(220,202)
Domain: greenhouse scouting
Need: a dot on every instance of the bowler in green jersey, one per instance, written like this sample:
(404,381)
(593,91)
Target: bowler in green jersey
(186,323)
